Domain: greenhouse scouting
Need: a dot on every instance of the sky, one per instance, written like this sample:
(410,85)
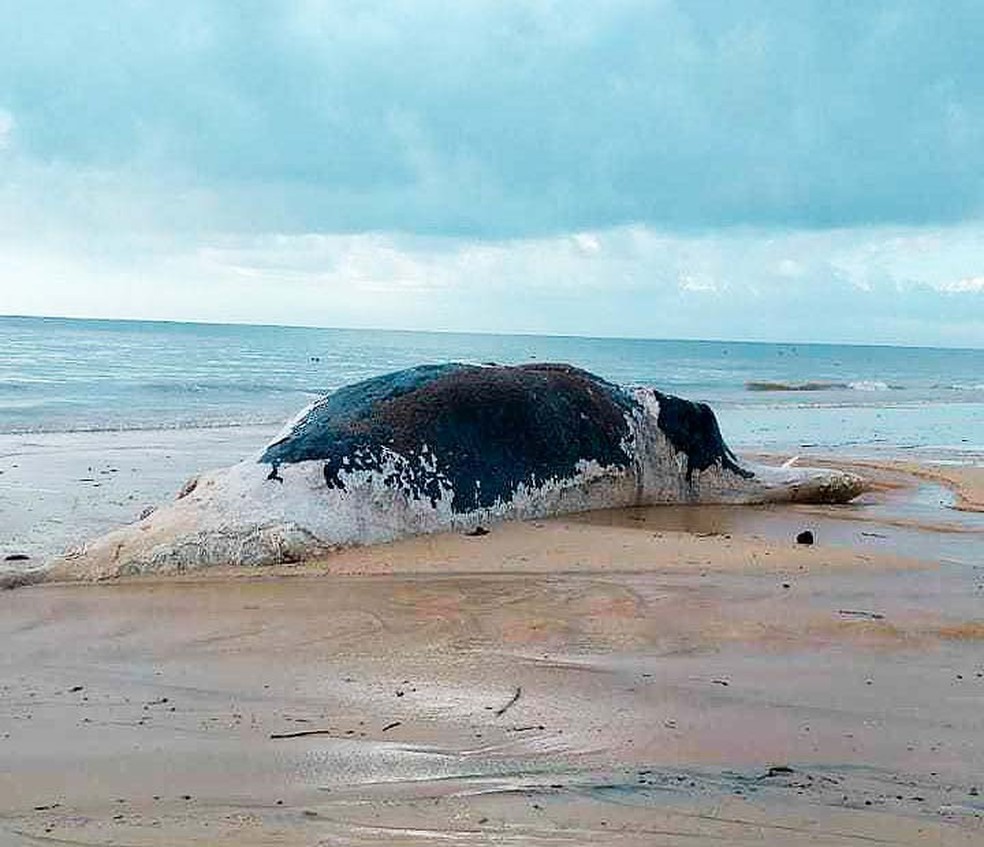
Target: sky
(743,169)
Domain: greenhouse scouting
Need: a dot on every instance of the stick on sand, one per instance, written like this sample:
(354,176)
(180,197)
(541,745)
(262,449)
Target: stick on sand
(500,712)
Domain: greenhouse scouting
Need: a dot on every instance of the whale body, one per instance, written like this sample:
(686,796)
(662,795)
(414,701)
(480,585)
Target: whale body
(448,447)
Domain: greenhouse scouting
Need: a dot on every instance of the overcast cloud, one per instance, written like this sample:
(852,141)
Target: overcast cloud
(702,169)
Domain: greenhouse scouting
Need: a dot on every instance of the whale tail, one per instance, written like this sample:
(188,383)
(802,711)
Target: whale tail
(792,484)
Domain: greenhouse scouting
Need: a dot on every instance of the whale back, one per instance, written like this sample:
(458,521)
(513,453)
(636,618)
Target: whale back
(477,431)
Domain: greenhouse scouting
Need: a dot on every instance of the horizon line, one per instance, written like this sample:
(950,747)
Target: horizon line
(510,334)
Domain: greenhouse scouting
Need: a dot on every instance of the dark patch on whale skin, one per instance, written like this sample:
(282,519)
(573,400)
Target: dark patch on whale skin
(486,430)
(693,430)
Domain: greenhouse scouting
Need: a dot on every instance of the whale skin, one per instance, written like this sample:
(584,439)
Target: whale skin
(447,447)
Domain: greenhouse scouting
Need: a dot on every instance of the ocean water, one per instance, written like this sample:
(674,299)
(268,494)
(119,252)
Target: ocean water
(62,375)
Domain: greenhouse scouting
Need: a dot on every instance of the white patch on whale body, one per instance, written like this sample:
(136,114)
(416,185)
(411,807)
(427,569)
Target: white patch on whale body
(288,428)
(646,397)
(238,515)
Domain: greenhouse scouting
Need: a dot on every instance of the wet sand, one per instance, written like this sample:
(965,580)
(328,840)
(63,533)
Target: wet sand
(59,489)
(663,675)
(967,481)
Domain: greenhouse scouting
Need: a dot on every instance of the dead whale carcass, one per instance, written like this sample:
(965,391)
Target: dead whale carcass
(449,447)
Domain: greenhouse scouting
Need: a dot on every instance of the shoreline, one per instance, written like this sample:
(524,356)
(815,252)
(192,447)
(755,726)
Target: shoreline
(60,489)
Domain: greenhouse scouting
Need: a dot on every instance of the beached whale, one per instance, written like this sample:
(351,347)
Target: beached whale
(448,447)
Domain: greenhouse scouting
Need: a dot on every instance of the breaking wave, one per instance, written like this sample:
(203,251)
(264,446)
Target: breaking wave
(873,385)
(820,385)
(962,386)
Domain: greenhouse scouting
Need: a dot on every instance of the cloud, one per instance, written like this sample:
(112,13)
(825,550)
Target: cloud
(6,128)
(968,284)
(633,281)
(809,170)
(505,119)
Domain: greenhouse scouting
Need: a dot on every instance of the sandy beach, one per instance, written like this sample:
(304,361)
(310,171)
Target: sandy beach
(666,675)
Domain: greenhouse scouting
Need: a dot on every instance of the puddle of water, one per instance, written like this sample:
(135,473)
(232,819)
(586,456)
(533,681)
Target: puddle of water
(926,503)
(916,521)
